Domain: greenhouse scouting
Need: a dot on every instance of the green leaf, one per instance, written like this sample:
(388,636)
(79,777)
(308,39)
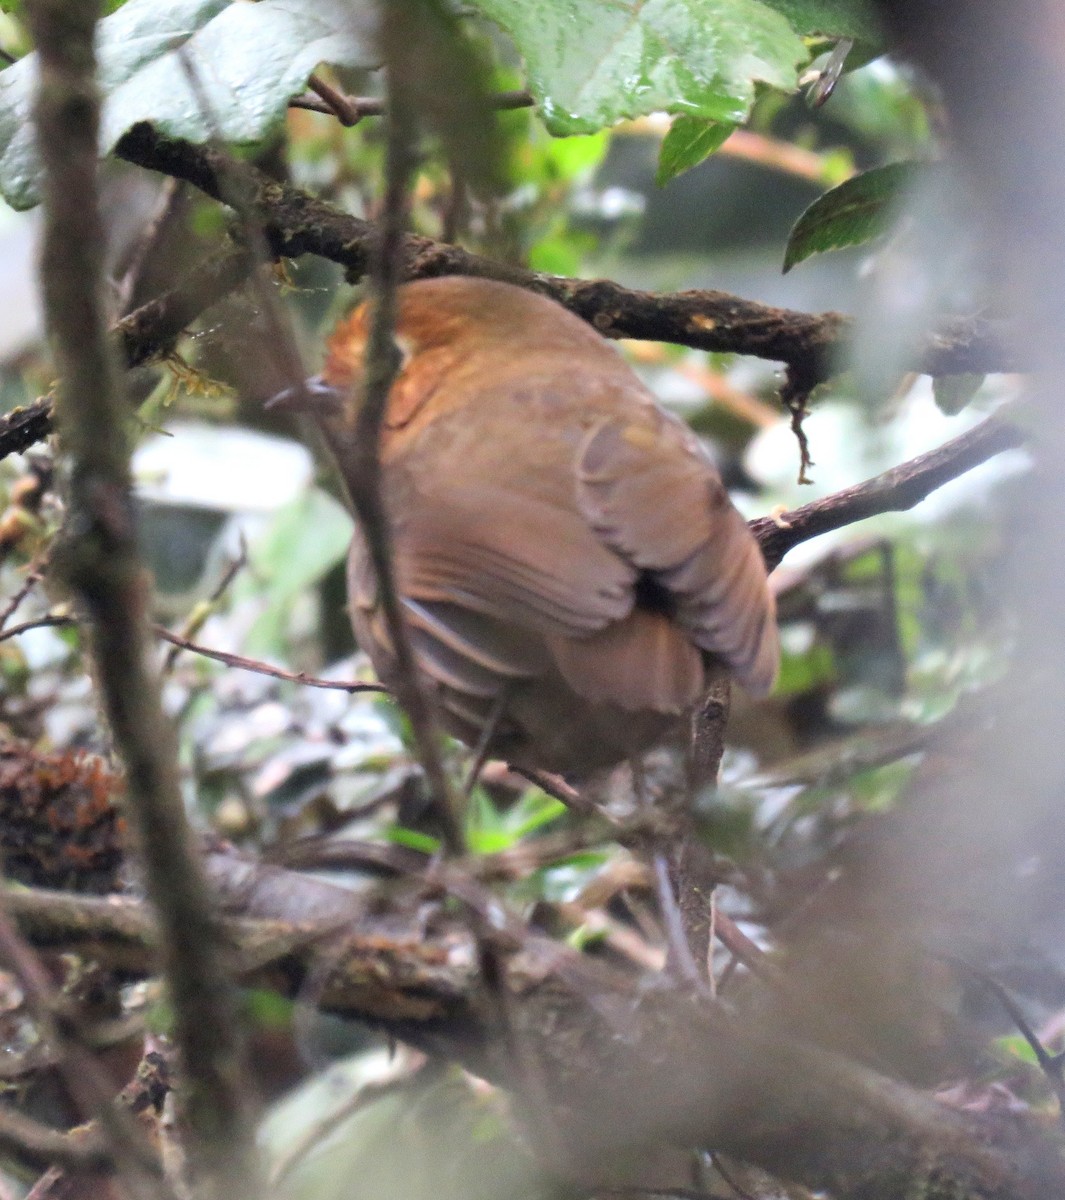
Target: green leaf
(688,142)
(855,212)
(953,392)
(533,811)
(1014,1046)
(490,829)
(247,61)
(412,839)
(591,63)
(803,672)
(831,18)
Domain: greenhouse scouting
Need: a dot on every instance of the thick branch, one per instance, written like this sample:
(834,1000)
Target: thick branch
(296,223)
(894,491)
(625,1065)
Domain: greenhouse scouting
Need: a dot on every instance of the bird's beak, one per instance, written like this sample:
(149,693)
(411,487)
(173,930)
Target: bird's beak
(313,396)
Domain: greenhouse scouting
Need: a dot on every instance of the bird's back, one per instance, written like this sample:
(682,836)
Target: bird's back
(570,564)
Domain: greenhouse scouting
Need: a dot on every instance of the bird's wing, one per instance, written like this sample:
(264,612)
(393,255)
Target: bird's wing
(500,585)
(651,495)
(460,648)
(513,556)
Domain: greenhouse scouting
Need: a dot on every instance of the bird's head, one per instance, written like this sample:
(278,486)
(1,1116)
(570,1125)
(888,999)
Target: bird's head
(447,330)
(442,326)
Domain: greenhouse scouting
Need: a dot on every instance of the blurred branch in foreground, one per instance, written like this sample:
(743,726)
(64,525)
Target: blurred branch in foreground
(98,558)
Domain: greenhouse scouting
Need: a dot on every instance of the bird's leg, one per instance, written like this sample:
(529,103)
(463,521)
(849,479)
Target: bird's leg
(480,751)
(679,958)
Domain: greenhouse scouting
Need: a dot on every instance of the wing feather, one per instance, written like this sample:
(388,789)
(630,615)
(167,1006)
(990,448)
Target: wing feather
(650,493)
(514,557)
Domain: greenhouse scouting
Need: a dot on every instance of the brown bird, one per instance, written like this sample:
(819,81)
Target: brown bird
(572,571)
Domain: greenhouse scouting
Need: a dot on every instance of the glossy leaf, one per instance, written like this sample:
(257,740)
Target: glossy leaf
(591,63)
(245,60)
(853,213)
(688,142)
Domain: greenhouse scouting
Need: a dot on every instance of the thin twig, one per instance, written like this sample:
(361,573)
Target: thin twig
(34,575)
(794,396)
(168,205)
(484,742)
(349,110)
(556,787)
(1052,1065)
(401,1069)
(344,108)
(261,668)
(49,620)
(201,612)
(894,491)
(777,154)
(382,363)
(743,950)
(66,621)
(679,955)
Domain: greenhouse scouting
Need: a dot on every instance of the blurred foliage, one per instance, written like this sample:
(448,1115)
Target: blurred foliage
(429,1137)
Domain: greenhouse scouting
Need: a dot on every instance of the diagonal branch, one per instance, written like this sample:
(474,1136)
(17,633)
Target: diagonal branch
(151,330)
(896,490)
(297,223)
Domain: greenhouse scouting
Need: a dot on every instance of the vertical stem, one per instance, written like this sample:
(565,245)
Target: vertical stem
(382,364)
(99,560)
